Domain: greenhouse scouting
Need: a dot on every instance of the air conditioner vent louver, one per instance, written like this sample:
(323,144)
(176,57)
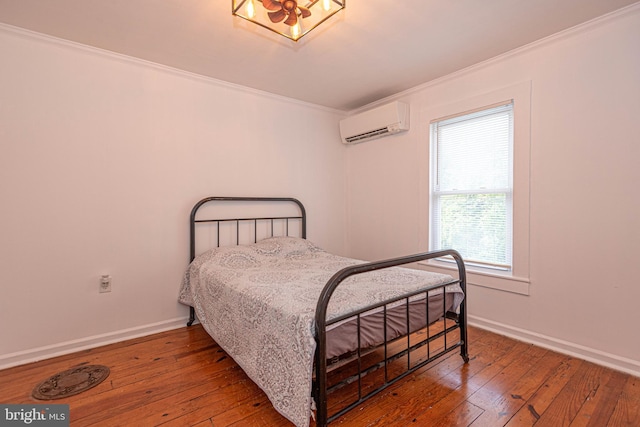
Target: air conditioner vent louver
(368,135)
(381,121)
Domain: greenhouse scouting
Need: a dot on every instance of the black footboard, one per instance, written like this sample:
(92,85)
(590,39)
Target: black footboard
(451,322)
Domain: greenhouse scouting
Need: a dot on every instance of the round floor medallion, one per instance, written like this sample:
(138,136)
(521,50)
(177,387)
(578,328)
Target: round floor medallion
(70,382)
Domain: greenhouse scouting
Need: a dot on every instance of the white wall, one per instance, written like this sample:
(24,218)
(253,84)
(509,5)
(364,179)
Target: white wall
(584,200)
(101,160)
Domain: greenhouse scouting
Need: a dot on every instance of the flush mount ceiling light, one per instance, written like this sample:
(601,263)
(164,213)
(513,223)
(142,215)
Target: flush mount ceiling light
(290,18)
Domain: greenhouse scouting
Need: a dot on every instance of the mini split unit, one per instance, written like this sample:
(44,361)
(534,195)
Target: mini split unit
(381,121)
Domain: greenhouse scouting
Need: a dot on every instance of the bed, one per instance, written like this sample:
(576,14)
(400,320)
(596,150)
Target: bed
(304,323)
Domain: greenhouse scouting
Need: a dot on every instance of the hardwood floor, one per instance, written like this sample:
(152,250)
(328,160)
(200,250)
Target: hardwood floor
(182,378)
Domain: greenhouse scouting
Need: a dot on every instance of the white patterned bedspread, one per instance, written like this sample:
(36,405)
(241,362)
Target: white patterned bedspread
(258,303)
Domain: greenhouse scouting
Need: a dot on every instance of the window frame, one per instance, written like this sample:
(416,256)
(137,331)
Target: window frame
(507,191)
(517,278)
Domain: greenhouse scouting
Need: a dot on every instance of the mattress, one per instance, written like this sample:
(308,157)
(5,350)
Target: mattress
(342,337)
(258,303)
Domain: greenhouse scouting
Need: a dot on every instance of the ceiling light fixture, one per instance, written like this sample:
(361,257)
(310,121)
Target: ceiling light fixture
(289,18)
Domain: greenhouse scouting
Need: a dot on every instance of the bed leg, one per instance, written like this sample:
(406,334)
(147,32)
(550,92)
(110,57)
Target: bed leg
(192,316)
(464,336)
(464,347)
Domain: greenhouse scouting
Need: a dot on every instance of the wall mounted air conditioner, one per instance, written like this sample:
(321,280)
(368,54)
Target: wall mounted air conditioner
(381,121)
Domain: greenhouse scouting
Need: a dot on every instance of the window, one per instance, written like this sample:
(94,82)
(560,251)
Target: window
(471,197)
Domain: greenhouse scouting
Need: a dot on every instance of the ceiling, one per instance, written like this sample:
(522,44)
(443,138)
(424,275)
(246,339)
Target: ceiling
(370,50)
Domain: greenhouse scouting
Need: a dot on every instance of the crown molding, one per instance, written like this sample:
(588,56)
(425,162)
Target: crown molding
(92,50)
(554,38)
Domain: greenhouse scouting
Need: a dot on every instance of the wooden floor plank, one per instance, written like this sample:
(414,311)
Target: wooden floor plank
(600,404)
(500,397)
(627,410)
(570,400)
(538,403)
(183,378)
(463,415)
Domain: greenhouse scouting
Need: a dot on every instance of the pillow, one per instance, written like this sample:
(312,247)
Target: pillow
(284,245)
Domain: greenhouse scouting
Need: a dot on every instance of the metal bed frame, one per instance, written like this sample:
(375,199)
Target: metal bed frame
(452,322)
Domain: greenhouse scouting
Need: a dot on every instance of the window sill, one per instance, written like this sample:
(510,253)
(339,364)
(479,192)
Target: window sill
(503,281)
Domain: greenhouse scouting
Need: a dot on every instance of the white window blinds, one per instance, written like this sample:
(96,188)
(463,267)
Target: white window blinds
(471,185)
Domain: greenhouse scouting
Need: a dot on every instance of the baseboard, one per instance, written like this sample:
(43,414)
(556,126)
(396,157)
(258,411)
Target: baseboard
(609,360)
(46,352)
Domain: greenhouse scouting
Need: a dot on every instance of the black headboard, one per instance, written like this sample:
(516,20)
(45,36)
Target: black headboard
(300,217)
(216,220)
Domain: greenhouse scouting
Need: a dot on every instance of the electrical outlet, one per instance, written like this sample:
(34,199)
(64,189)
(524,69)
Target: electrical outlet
(105,283)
